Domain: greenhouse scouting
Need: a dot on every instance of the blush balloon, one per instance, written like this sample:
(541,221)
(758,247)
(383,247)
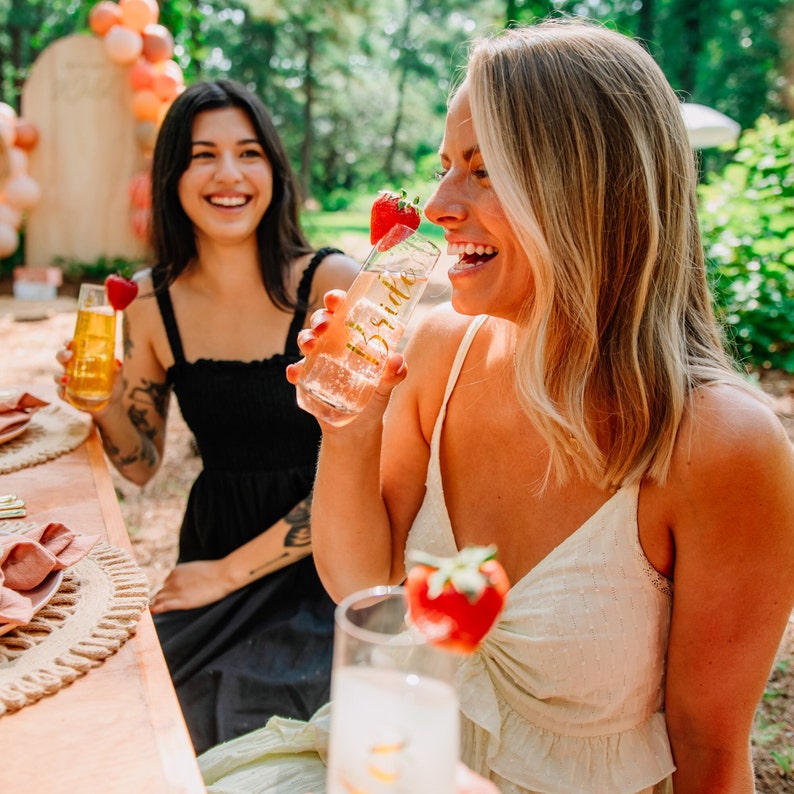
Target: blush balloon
(140,221)
(10,216)
(122,45)
(141,75)
(158,43)
(23,192)
(141,190)
(103,16)
(137,14)
(9,240)
(18,160)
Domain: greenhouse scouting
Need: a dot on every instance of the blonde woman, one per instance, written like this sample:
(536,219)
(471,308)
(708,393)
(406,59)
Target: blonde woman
(575,407)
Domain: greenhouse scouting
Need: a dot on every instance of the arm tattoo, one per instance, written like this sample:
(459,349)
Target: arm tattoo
(155,395)
(299,519)
(298,535)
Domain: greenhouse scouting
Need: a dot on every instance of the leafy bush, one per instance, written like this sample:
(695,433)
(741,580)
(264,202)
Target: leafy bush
(747,218)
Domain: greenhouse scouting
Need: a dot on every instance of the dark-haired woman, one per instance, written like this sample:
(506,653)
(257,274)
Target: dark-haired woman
(244,621)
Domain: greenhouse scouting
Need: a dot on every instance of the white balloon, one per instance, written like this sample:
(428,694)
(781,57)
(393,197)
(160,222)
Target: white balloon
(10,216)
(9,240)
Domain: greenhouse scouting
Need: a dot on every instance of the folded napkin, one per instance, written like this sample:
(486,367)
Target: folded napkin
(26,560)
(16,409)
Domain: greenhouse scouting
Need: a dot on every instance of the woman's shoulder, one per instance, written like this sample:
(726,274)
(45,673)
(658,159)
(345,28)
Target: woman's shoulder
(729,432)
(335,271)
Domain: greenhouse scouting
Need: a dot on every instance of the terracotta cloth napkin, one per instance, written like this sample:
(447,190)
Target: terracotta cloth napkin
(27,559)
(16,409)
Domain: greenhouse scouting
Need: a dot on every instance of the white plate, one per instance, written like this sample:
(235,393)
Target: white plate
(14,432)
(39,595)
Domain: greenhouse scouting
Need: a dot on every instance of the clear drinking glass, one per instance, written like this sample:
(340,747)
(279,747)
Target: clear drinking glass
(394,710)
(91,368)
(340,375)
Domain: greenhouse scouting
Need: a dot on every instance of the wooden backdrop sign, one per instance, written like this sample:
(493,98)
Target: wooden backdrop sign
(86,155)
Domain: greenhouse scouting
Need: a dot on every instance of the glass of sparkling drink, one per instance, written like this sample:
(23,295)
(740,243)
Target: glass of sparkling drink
(341,373)
(91,369)
(394,710)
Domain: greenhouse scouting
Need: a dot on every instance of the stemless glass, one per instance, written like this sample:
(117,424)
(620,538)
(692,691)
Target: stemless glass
(91,368)
(340,375)
(394,710)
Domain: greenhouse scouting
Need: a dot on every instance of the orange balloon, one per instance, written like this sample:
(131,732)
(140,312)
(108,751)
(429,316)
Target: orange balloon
(137,14)
(146,105)
(158,43)
(122,45)
(165,87)
(141,75)
(23,192)
(103,16)
(27,135)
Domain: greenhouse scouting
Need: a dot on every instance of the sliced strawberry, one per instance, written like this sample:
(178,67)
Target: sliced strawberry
(390,209)
(454,601)
(121,291)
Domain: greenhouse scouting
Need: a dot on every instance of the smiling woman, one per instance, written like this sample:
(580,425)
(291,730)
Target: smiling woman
(245,625)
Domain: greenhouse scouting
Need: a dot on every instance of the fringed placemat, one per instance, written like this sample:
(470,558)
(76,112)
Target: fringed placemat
(51,432)
(94,612)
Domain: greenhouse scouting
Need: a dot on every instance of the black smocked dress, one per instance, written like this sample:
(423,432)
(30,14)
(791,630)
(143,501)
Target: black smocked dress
(265,649)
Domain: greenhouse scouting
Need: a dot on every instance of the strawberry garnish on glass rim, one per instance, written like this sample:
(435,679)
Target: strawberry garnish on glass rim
(389,210)
(455,601)
(121,291)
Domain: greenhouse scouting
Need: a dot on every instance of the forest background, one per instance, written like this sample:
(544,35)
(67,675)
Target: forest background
(358,90)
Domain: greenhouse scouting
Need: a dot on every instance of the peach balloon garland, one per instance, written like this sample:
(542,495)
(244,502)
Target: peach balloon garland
(134,37)
(19,192)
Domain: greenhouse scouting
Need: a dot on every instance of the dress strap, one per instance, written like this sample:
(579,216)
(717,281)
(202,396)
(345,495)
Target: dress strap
(457,364)
(167,313)
(304,290)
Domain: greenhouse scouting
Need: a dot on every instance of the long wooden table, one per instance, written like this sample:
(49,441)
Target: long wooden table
(118,729)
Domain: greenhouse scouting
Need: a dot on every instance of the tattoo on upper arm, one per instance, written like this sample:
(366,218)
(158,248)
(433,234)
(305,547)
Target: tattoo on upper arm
(151,394)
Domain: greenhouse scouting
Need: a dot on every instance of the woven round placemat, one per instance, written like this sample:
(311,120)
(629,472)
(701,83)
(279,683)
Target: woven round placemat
(51,432)
(91,616)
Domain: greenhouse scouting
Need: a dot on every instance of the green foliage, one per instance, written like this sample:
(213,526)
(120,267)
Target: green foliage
(747,217)
(99,269)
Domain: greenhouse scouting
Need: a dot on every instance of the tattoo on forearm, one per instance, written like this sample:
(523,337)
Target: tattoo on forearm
(299,519)
(298,535)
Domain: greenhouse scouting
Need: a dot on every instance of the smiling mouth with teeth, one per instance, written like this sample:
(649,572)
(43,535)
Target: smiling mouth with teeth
(228,201)
(471,254)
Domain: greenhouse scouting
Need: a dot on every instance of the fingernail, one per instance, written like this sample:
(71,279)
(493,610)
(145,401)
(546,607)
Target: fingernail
(64,379)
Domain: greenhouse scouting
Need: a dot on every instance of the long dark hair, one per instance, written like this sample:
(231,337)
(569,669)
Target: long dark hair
(279,235)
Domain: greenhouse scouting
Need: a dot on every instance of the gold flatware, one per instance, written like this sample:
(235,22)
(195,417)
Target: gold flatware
(12,507)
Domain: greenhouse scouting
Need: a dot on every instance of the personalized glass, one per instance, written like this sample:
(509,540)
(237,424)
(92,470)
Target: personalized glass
(340,375)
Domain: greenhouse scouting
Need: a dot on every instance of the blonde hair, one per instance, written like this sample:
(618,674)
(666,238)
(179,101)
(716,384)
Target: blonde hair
(585,145)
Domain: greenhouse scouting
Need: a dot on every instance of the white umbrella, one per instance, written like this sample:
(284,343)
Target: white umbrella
(708,127)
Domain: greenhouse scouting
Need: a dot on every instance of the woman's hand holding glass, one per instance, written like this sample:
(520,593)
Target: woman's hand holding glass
(63,357)
(320,320)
